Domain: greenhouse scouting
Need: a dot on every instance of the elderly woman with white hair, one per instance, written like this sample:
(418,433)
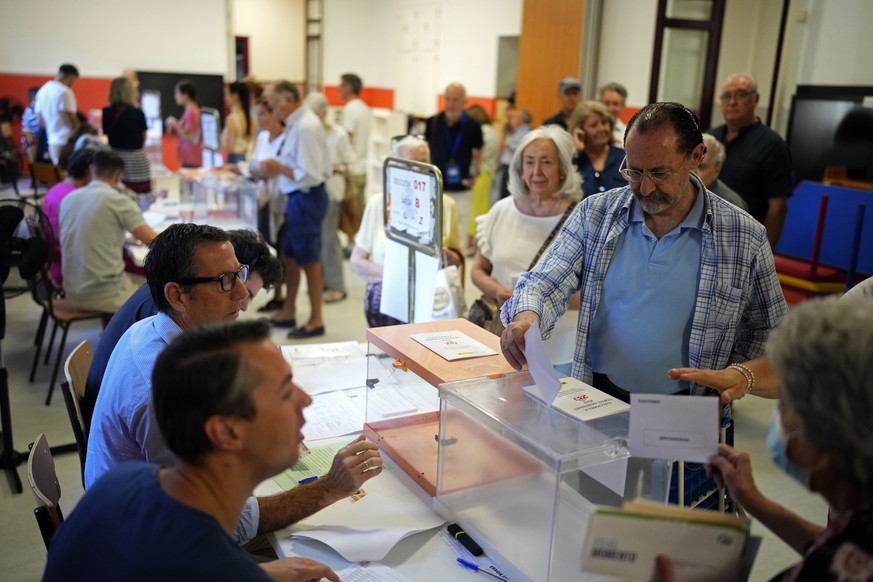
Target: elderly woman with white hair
(516,232)
(709,169)
(820,435)
(368,256)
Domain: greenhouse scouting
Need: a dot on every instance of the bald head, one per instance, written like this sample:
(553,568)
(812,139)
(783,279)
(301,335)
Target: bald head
(454,99)
(739,97)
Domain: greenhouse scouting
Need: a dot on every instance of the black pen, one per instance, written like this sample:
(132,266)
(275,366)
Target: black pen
(465,539)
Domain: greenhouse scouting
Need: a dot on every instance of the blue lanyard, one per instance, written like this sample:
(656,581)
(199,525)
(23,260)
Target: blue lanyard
(456,143)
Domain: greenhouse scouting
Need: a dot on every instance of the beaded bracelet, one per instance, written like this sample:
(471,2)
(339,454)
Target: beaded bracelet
(747,374)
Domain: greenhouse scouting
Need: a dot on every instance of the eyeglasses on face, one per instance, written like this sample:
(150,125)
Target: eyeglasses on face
(657,177)
(227,281)
(739,95)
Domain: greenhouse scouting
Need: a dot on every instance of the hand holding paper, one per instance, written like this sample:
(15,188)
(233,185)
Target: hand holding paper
(540,366)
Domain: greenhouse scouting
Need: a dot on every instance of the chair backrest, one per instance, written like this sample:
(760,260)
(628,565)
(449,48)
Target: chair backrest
(76,372)
(45,172)
(46,489)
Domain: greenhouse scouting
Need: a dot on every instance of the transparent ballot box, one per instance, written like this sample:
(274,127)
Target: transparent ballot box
(402,411)
(523,479)
(208,197)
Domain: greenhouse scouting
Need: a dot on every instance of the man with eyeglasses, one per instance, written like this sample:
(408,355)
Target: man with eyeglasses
(758,163)
(250,248)
(668,271)
(195,279)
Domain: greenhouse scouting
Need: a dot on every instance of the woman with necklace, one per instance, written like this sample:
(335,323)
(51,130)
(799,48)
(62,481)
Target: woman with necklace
(517,230)
(597,158)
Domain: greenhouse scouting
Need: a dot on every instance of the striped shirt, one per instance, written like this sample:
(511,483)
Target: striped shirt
(739,299)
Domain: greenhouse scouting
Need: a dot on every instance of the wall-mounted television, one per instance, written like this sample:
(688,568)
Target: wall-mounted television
(831,126)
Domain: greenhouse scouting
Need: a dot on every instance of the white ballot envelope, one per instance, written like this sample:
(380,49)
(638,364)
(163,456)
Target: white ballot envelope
(678,428)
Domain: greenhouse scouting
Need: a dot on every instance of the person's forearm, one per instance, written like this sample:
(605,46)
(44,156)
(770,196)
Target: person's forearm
(766,379)
(278,511)
(775,220)
(790,527)
(365,268)
(485,283)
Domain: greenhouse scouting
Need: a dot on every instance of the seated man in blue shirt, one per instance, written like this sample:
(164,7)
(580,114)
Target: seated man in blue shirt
(225,400)
(195,279)
(669,273)
(265,271)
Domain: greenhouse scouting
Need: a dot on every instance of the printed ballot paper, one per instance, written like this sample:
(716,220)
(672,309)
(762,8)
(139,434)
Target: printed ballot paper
(579,400)
(452,345)
(678,428)
(703,545)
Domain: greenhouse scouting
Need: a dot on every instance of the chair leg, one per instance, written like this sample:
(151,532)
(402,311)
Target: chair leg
(51,344)
(37,341)
(63,344)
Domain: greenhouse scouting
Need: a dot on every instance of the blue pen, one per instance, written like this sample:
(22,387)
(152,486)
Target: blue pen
(307,480)
(476,568)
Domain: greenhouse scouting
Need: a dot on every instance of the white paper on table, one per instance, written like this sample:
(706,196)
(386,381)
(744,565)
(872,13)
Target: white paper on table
(395,281)
(329,377)
(313,354)
(544,374)
(370,572)
(426,268)
(331,414)
(679,428)
(367,529)
(452,345)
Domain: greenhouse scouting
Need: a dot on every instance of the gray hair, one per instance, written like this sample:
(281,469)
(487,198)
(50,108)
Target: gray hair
(714,150)
(822,352)
(402,148)
(749,76)
(615,88)
(317,102)
(571,182)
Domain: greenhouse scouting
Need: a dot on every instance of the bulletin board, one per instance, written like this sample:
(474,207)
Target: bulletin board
(413,204)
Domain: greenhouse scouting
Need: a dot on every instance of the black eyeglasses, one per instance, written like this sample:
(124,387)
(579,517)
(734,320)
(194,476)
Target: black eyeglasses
(227,281)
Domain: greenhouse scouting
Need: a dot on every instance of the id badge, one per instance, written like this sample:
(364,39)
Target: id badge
(453,173)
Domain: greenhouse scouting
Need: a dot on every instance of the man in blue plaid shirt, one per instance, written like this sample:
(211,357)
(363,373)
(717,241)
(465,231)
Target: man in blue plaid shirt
(670,275)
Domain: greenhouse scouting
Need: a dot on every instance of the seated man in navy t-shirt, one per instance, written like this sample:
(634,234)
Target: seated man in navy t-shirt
(228,409)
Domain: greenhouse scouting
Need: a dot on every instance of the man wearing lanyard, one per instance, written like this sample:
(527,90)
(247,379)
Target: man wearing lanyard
(455,142)
(302,166)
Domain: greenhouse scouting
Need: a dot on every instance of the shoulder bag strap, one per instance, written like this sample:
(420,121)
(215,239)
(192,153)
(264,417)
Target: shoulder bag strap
(552,235)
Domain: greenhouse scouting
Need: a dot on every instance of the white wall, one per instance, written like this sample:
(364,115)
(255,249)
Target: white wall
(838,44)
(102,37)
(417,47)
(277,39)
(627,36)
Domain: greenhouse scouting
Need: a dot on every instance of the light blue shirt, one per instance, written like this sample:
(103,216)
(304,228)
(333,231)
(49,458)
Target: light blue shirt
(124,427)
(649,294)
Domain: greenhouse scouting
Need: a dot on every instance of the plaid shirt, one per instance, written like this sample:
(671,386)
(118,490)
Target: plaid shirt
(739,299)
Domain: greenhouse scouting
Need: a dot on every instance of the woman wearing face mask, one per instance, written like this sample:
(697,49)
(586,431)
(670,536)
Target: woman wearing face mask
(821,435)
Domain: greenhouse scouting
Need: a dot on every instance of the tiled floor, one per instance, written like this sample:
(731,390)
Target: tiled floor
(22,554)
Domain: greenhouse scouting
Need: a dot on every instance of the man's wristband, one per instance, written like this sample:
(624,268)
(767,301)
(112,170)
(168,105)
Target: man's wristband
(747,374)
